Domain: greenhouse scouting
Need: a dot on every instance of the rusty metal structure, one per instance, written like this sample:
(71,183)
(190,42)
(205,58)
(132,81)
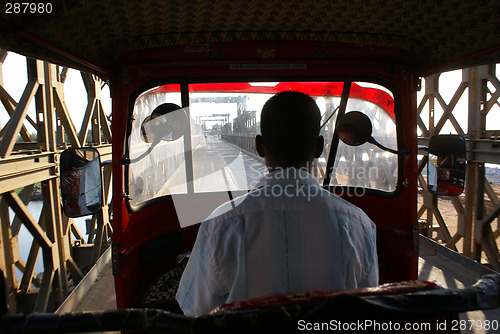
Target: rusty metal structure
(66,252)
(476,229)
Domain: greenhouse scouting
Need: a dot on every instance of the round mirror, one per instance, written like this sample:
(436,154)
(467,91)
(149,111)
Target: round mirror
(354,128)
(167,122)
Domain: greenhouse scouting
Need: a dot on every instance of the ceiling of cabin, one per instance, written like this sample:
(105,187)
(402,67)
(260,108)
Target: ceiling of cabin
(437,33)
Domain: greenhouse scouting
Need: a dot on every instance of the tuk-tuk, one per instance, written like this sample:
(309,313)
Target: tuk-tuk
(215,65)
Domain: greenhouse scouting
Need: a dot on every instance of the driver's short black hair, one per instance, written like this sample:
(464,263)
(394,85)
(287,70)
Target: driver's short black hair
(290,125)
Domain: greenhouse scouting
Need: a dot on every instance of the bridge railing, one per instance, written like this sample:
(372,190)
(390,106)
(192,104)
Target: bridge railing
(244,141)
(29,162)
(473,229)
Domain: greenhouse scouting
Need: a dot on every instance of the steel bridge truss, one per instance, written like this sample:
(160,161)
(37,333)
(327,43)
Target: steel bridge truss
(67,255)
(476,226)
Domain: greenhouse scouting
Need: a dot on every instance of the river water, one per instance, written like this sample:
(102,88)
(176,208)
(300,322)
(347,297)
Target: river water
(25,238)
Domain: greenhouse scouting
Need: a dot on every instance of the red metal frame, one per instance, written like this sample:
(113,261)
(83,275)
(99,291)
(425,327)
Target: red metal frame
(377,96)
(397,226)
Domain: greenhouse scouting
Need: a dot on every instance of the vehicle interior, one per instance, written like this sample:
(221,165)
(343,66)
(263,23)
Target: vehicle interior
(188,81)
(214,160)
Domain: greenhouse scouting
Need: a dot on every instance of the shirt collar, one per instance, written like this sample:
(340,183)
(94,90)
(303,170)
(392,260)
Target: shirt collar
(289,175)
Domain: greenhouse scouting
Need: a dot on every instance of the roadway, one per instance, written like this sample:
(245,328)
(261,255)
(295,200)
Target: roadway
(217,166)
(220,166)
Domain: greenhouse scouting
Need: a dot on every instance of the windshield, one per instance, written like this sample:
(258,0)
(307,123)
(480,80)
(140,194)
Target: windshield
(208,145)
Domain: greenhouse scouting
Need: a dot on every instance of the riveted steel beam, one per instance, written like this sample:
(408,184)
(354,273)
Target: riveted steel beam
(26,165)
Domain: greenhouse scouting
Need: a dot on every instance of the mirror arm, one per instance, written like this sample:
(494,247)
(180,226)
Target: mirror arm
(376,143)
(143,155)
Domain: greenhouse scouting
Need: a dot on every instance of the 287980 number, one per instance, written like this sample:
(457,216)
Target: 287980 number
(28,8)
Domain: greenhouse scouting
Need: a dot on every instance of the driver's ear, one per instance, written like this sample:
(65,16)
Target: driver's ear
(259,146)
(320,142)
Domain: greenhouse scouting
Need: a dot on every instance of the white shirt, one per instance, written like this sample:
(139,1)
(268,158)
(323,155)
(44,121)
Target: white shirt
(286,235)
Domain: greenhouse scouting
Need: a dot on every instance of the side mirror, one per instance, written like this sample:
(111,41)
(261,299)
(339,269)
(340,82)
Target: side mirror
(168,122)
(355,128)
(81,181)
(446,166)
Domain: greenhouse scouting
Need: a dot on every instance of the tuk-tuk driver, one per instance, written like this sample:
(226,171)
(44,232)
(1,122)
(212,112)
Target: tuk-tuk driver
(287,234)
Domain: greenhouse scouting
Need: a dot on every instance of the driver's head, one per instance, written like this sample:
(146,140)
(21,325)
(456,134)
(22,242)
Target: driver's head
(290,125)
